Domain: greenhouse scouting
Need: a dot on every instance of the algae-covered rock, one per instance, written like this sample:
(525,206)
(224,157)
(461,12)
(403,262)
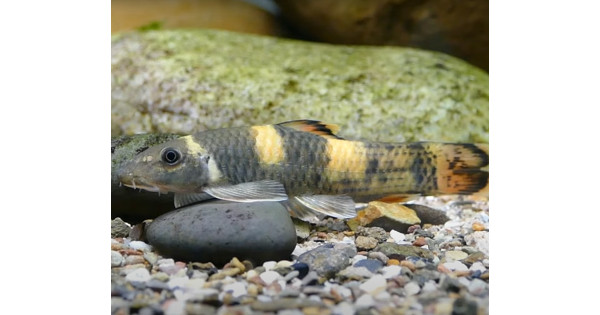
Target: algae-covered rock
(184,80)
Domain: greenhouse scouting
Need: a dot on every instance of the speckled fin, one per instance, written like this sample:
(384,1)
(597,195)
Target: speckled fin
(313,126)
(309,207)
(266,190)
(188,199)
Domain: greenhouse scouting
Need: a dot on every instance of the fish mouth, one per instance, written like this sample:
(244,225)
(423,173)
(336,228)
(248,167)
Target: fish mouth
(131,181)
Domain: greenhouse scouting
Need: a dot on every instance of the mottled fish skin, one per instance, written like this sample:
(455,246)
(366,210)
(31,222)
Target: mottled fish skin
(308,159)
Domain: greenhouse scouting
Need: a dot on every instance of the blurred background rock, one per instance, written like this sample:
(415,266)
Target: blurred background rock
(459,28)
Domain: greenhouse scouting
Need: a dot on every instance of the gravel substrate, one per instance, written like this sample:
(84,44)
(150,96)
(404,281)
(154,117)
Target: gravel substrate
(432,269)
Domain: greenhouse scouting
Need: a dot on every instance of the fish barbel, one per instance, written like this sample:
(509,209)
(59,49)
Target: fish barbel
(304,163)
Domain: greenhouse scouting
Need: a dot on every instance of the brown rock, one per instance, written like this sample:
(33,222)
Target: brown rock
(389,216)
(232,15)
(459,28)
(478,227)
(420,241)
(408,264)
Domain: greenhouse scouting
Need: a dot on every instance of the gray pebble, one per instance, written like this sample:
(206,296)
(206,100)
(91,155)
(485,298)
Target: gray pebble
(365,242)
(201,309)
(118,228)
(391,249)
(283,303)
(328,261)
(376,232)
(291,275)
(217,231)
(478,287)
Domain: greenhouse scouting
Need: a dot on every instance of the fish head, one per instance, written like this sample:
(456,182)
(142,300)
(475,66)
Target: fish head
(173,166)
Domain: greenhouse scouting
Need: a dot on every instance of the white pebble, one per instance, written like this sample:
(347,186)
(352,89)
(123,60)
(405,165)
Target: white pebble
(429,286)
(166,262)
(116,259)
(139,245)
(374,285)
(269,265)
(464,281)
(480,240)
(397,236)
(391,271)
(269,276)
(179,282)
(456,266)
(477,287)
(283,264)
(358,258)
(411,288)
(195,283)
(478,266)
(347,240)
(140,274)
(290,312)
(365,300)
(251,274)
(175,308)
(455,255)
(343,308)
(237,289)
(383,296)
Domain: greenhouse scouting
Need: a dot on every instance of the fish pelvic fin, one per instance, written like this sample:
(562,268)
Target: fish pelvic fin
(313,126)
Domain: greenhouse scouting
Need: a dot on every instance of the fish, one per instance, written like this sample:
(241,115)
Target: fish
(306,165)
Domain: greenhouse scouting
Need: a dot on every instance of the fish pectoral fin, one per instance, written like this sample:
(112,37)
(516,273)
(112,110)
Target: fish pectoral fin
(188,199)
(265,190)
(313,126)
(309,206)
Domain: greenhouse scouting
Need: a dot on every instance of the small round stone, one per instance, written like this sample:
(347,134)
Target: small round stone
(269,276)
(372,265)
(455,266)
(478,226)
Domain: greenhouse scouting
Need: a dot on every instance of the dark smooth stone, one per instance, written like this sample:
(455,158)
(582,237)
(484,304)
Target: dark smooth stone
(302,268)
(217,231)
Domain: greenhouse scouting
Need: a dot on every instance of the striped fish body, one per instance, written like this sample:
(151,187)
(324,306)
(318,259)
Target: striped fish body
(308,159)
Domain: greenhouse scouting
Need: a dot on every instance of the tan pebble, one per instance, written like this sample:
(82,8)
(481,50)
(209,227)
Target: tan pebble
(237,264)
(408,264)
(336,295)
(316,310)
(129,251)
(427,225)
(134,259)
(455,255)
(478,227)
(464,273)
(116,247)
(228,298)
(253,289)
(321,235)
(349,233)
(441,268)
(393,262)
(420,241)
(485,276)
(362,252)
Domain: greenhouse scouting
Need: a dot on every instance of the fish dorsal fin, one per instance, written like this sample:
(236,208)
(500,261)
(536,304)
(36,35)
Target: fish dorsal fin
(265,190)
(313,126)
(311,207)
(188,199)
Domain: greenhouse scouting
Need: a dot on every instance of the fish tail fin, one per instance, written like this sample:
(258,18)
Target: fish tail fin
(462,168)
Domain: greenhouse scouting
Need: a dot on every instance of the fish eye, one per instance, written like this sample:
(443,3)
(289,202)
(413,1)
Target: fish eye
(171,156)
